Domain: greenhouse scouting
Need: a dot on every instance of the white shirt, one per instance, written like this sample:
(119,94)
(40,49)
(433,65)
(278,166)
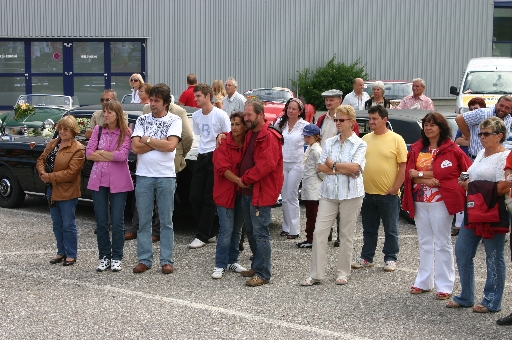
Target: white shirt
(353,100)
(208,127)
(235,103)
(488,168)
(293,147)
(157,163)
(342,187)
(328,129)
(135,96)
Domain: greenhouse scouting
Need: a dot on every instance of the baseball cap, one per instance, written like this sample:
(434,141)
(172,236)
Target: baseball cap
(332,93)
(310,130)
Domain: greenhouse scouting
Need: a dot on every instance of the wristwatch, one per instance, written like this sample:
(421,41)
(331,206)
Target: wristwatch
(420,174)
(334,167)
(148,140)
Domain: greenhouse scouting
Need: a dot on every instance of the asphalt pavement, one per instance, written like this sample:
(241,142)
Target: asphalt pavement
(43,301)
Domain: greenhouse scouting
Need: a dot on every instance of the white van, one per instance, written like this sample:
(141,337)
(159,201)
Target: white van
(489,78)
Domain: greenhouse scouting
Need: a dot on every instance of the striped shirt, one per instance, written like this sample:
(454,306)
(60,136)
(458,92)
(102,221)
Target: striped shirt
(342,187)
(235,103)
(422,103)
(473,119)
(353,100)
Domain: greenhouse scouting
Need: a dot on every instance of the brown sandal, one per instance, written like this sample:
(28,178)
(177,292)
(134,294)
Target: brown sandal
(416,290)
(480,309)
(453,304)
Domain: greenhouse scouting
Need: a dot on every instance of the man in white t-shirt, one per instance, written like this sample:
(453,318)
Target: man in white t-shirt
(208,122)
(154,140)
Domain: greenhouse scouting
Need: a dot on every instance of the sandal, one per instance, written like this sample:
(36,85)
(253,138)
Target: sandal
(443,296)
(480,309)
(342,280)
(416,290)
(453,304)
(309,282)
(283,233)
(292,237)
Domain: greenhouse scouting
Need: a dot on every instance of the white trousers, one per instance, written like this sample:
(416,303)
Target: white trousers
(327,212)
(433,223)
(290,195)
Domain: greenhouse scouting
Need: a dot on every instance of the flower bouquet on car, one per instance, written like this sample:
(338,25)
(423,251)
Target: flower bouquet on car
(22,111)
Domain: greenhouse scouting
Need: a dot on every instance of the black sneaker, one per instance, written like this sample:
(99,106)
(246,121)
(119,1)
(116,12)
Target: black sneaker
(506,321)
(336,243)
(305,244)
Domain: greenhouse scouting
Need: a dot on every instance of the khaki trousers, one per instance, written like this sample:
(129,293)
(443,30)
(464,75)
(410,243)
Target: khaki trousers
(327,211)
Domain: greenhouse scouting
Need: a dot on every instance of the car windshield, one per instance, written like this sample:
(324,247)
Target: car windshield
(270,95)
(393,90)
(484,82)
(46,100)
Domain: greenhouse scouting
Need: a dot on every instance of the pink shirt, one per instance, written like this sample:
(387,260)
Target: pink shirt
(421,103)
(113,174)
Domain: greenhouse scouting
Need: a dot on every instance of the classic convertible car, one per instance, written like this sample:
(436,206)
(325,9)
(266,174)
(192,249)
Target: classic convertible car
(18,156)
(49,108)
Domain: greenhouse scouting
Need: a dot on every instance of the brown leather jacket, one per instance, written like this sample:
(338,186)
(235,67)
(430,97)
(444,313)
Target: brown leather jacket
(65,177)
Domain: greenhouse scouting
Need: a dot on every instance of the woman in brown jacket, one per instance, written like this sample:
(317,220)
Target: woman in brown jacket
(59,166)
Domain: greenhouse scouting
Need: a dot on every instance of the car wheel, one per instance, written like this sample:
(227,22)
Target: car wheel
(11,194)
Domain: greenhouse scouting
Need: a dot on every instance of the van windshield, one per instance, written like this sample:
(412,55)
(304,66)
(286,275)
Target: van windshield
(484,82)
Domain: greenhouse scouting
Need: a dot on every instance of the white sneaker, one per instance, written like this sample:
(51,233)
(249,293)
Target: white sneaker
(217,273)
(236,268)
(360,263)
(197,243)
(212,240)
(115,265)
(104,264)
(390,266)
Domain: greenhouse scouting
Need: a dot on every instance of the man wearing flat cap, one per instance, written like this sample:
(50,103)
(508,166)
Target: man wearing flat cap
(325,122)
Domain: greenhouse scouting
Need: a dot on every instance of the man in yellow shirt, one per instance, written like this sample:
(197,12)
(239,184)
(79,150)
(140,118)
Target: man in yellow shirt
(383,176)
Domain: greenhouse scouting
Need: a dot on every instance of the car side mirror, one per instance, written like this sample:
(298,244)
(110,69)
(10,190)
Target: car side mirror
(454,91)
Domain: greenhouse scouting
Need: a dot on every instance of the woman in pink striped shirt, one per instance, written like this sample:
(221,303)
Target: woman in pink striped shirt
(110,181)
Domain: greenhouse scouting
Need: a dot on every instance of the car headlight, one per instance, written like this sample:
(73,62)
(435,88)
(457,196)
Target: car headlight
(48,124)
(463,109)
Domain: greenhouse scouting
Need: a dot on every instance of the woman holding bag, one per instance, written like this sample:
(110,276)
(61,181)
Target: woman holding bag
(485,217)
(110,181)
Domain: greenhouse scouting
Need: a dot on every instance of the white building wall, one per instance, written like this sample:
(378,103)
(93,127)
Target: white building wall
(264,43)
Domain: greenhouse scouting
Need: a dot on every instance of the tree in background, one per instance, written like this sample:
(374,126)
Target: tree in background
(333,75)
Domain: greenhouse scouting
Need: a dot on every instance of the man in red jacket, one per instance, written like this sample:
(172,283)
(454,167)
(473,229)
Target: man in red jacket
(261,171)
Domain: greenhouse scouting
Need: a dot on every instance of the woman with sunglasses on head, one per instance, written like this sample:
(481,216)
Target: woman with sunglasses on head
(485,218)
(291,123)
(136,82)
(110,181)
(60,166)
(342,161)
(432,196)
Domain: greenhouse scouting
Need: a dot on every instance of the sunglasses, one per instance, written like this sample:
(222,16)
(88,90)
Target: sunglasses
(341,120)
(104,100)
(486,134)
(134,79)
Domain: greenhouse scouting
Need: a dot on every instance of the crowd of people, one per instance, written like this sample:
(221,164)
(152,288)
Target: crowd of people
(244,162)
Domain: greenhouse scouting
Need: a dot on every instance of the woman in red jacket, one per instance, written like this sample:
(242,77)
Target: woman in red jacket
(432,196)
(226,164)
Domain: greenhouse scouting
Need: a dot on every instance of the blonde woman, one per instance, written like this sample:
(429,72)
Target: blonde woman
(136,82)
(219,92)
(342,161)
(59,166)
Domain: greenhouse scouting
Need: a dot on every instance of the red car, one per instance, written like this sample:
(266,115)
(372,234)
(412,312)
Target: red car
(275,98)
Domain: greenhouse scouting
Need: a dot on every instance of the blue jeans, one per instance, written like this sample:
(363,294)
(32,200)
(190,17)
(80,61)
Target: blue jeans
(146,190)
(258,235)
(375,208)
(230,231)
(111,250)
(465,250)
(64,226)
